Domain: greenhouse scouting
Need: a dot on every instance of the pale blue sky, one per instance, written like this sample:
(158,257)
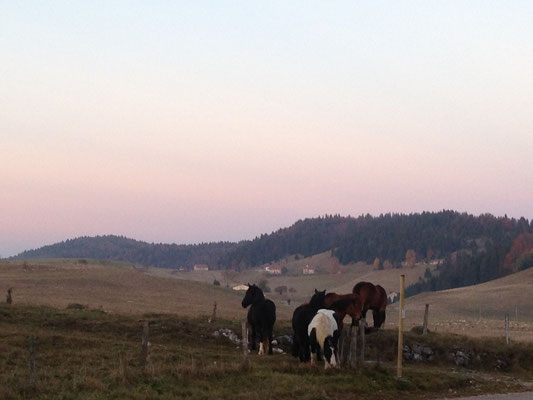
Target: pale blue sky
(198,121)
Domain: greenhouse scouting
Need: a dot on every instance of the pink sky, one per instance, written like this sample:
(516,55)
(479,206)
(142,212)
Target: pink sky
(187,124)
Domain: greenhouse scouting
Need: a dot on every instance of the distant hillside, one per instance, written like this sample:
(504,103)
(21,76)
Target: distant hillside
(388,237)
(119,248)
(387,240)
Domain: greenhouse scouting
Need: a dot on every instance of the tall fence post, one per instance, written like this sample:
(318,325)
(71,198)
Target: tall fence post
(426,316)
(344,350)
(33,369)
(145,343)
(362,324)
(244,327)
(507,328)
(213,314)
(353,347)
(401,315)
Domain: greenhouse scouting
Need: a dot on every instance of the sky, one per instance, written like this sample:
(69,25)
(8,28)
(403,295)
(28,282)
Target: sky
(198,121)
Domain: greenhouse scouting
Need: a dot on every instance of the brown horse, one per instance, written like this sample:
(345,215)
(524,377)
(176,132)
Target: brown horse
(345,304)
(374,298)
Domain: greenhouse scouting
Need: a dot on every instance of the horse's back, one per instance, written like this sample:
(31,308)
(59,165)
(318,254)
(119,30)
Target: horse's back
(270,310)
(263,314)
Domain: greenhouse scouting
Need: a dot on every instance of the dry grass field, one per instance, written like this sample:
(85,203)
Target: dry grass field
(116,288)
(477,310)
(122,288)
(91,354)
(341,282)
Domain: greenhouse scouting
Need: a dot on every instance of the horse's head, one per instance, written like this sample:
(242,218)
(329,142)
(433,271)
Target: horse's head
(317,301)
(330,351)
(253,294)
(355,309)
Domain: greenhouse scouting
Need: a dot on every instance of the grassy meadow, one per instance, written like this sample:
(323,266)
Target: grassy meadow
(92,354)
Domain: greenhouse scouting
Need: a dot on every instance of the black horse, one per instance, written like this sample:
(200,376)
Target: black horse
(261,318)
(301,318)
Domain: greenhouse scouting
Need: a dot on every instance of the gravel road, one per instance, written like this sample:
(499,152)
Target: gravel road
(513,396)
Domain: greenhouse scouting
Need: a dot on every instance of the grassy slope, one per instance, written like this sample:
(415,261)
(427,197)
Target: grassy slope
(127,289)
(305,284)
(94,355)
(117,288)
(459,310)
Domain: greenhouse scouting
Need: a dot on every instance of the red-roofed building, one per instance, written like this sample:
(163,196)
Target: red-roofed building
(273,269)
(307,270)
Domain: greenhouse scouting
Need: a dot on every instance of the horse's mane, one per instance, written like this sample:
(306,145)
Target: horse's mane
(317,301)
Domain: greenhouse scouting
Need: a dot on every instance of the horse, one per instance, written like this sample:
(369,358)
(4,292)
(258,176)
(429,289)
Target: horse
(345,304)
(374,298)
(261,318)
(301,318)
(323,334)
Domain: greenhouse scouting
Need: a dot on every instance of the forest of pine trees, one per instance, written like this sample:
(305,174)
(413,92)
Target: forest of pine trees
(473,248)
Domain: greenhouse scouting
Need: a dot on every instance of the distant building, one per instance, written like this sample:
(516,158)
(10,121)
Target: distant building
(183,269)
(307,270)
(201,267)
(240,287)
(273,269)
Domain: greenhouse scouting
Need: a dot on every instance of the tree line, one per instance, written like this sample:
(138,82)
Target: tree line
(392,238)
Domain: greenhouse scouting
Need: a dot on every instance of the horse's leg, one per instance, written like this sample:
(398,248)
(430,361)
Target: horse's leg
(307,349)
(270,341)
(295,345)
(382,318)
(261,335)
(315,348)
(302,342)
(377,318)
(253,337)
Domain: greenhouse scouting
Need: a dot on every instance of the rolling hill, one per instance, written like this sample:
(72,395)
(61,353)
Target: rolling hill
(477,310)
(387,237)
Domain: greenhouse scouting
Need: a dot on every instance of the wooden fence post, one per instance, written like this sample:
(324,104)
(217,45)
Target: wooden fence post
(353,347)
(244,327)
(426,315)
(361,360)
(345,346)
(9,298)
(214,314)
(401,312)
(33,369)
(145,343)
(507,328)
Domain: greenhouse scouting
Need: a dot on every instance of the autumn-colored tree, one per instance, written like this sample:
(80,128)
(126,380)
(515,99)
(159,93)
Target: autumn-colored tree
(376,263)
(431,254)
(387,264)
(522,244)
(410,258)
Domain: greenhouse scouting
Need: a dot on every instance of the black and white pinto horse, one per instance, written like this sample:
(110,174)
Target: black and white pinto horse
(261,318)
(301,318)
(323,337)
